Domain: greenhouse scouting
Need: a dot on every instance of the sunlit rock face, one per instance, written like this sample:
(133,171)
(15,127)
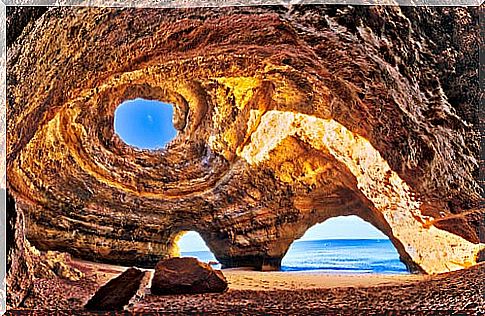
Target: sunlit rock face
(285,116)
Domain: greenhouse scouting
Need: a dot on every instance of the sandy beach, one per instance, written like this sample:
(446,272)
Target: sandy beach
(240,279)
(276,293)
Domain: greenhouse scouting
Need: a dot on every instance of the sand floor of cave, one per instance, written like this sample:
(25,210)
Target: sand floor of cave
(241,279)
(244,279)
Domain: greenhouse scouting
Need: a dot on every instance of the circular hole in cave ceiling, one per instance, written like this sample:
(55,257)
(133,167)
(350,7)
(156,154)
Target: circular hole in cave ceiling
(144,124)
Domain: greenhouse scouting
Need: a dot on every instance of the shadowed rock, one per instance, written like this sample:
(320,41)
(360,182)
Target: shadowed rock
(117,293)
(186,276)
(20,259)
(481,256)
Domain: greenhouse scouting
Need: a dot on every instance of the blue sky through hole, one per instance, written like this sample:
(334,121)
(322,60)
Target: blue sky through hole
(343,227)
(145,124)
(191,241)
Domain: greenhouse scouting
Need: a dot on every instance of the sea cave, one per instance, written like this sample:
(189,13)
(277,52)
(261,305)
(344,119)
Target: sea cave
(275,119)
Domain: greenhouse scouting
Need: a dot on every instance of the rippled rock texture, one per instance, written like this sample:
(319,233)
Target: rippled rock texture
(286,116)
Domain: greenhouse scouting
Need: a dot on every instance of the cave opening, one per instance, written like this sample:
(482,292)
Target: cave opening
(145,124)
(191,244)
(343,244)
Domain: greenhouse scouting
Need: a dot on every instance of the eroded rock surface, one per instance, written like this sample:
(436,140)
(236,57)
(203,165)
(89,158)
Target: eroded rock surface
(53,264)
(20,258)
(186,276)
(286,116)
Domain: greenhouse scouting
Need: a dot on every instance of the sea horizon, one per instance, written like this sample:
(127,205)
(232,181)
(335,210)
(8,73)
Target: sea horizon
(363,255)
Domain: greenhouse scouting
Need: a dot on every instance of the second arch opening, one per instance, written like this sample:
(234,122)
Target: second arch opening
(343,244)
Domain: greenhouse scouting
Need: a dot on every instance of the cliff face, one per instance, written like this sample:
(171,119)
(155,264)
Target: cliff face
(286,117)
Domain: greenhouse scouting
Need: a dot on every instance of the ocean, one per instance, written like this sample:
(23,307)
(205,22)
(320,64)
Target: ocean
(334,255)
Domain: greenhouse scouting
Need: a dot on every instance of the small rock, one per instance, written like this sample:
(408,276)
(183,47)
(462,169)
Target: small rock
(118,292)
(186,276)
(53,264)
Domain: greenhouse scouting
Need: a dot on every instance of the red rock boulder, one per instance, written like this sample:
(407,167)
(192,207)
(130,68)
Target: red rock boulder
(186,276)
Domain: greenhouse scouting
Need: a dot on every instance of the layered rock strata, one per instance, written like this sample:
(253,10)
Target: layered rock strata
(286,116)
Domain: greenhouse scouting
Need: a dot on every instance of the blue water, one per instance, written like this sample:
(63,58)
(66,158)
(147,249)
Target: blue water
(344,255)
(339,255)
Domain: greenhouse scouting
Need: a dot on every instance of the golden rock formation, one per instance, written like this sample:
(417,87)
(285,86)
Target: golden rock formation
(285,116)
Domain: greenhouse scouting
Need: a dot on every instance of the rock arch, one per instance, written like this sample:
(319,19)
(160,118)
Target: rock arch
(177,251)
(342,232)
(283,121)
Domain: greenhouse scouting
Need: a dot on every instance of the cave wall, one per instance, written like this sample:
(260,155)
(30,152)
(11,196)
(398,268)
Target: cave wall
(20,255)
(286,116)
(19,260)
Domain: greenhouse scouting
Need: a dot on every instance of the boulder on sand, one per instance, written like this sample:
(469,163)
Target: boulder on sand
(186,276)
(117,293)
